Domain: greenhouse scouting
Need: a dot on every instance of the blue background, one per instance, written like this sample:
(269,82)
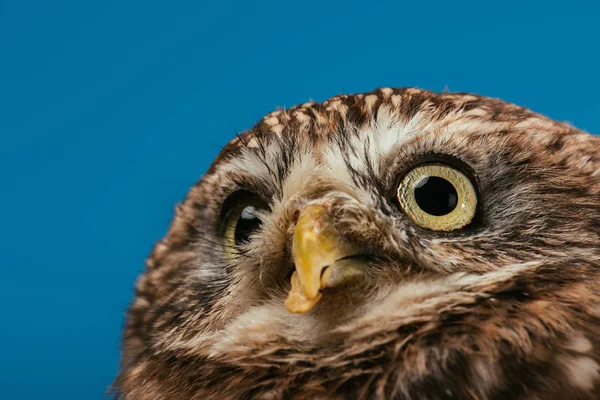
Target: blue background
(111,110)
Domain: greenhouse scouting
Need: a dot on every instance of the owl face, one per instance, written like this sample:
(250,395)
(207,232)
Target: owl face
(316,237)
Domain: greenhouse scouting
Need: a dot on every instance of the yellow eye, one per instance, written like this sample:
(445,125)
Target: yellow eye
(241,218)
(437,197)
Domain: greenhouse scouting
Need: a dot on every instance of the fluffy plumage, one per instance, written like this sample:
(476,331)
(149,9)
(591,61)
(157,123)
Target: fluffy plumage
(507,308)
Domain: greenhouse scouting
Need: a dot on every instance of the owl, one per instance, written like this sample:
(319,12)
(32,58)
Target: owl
(397,244)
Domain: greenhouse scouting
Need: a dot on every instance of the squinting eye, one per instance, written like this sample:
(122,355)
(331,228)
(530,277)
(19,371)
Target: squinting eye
(437,197)
(240,219)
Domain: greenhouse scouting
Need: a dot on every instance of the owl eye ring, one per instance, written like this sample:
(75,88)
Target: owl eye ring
(437,197)
(240,219)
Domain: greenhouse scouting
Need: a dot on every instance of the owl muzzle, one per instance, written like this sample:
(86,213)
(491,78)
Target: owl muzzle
(322,259)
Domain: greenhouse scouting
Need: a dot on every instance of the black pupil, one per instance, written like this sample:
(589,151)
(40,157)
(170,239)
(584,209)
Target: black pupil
(247,224)
(436,196)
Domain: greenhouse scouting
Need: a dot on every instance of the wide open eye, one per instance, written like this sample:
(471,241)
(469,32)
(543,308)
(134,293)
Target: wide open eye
(240,218)
(437,197)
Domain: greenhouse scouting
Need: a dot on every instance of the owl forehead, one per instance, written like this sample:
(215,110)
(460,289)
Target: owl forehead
(350,138)
(319,123)
(313,145)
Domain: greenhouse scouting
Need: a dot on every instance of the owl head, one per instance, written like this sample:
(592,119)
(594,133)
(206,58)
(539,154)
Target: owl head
(393,244)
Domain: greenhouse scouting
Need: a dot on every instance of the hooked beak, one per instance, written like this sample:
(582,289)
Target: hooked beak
(321,259)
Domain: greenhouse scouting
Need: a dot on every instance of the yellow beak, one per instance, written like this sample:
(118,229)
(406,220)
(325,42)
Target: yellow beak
(317,253)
